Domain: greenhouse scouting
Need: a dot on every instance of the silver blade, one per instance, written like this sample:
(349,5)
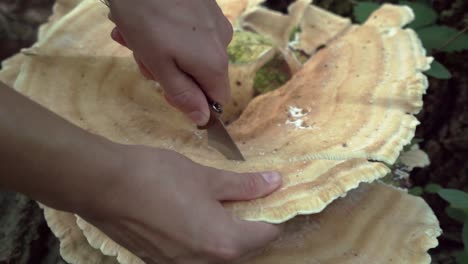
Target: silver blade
(219,138)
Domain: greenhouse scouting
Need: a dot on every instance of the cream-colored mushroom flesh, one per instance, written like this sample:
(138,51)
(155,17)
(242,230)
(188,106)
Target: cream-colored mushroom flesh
(312,32)
(345,113)
(372,224)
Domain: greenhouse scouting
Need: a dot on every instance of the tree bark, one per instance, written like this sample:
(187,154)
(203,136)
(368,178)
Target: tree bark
(24,235)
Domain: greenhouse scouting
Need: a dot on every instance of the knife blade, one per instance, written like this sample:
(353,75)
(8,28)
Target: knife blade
(218,136)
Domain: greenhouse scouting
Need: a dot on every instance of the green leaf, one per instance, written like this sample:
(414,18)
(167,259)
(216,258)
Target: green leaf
(438,71)
(432,188)
(435,37)
(458,215)
(425,15)
(465,235)
(462,257)
(456,198)
(271,76)
(362,10)
(416,191)
(247,47)
(294,32)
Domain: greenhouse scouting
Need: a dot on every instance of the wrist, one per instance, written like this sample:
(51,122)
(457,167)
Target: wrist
(49,159)
(98,171)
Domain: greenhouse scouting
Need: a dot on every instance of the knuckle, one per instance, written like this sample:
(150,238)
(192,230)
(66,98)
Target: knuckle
(182,98)
(250,185)
(226,32)
(219,64)
(228,29)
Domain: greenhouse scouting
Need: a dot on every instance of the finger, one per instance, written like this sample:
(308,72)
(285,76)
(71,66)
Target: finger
(226,32)
(196,259)
(147,260)
(109,16)
(182,92)
(225,27)
(232,238)
(157,260)
(210,69)
(143,70)
(117,37)
(253,236)
(232,186)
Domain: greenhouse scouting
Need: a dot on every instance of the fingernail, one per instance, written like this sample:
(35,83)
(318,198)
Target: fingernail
(271,177)
(199,118)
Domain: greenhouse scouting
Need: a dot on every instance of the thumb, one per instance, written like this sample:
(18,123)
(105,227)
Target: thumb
(246,186)
(117,37)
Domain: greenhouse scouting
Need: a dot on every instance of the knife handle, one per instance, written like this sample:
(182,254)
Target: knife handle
(215,110)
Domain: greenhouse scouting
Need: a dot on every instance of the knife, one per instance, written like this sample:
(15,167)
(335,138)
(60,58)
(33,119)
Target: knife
(218,137)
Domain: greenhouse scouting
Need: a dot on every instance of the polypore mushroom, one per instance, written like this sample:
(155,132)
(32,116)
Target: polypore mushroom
(313,33)
(275,25)
(414,158)
(375,223)
(334,125)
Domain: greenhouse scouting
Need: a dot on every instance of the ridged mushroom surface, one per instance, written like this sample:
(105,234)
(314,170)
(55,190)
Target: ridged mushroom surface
(344,114)
(348,110)
(375,223)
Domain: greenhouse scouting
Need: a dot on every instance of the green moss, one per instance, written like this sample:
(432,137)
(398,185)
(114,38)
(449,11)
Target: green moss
(293,33)
(301,56)
(271,76)
(246,47)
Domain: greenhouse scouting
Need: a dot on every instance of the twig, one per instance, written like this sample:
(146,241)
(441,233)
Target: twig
(451,40)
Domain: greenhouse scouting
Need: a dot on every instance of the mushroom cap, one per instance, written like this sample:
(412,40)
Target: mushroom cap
(375,223)
(414,158)
(74,247)
(313,34)
(333,125)
(344,114)
(233,9)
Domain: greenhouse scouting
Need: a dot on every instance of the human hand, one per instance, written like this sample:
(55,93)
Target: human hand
(180,44)
(167,209)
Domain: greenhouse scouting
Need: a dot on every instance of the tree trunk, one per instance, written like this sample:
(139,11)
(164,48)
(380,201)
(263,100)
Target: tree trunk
(24,235)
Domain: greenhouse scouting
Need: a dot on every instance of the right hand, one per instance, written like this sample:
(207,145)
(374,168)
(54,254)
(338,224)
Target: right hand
(180,44)
(167,209)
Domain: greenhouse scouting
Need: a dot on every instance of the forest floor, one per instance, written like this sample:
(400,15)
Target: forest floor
(443,129)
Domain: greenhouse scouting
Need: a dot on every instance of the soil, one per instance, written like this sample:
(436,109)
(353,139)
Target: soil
(25,238)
